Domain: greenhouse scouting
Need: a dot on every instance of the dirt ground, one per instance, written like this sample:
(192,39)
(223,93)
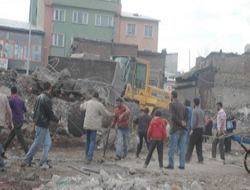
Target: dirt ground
(212,175)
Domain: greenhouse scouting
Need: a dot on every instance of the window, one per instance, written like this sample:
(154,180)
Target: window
(58,40)
(80,17)
(140,75)
(59,15)
(104,20)
(148,31)
(36,53)
(131,30)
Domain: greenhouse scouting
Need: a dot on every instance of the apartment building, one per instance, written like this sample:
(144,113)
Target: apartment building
(62,20)
(139,30)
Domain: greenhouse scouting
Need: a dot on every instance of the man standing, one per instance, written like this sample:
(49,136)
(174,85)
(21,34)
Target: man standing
(5,120)
(42,115)
(121,120)
(198,123)
(92,123)
(143,122)
(230,127)
(178,132)
(189,119)
(220,131)
(18,108)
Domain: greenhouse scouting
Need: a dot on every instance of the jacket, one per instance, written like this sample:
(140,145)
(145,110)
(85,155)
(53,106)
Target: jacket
(42,112)
(121,116)
(18,108)
(178,114)
(95,111)
(157,129)
(143,122)
(5,111)
(198,118)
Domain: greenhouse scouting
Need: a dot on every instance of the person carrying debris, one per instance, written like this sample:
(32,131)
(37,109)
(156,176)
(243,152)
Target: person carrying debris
(198,123)
(18,108)
(178,131)
(121,120)
(95,111)
(220,131)
(42,115)
(142,121)
(5,120)
(156,135)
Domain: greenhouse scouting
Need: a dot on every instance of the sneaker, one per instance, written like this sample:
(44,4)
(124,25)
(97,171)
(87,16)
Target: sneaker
(45,166)
(170,167)
(223,161)
(3,156)
(2,169)
(25,164)
(181,167)
(87,162)
(117,158)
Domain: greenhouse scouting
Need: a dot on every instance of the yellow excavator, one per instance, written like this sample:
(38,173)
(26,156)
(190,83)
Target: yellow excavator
(135,73)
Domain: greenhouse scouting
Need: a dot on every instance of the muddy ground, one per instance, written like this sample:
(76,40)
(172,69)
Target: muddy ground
(212,175)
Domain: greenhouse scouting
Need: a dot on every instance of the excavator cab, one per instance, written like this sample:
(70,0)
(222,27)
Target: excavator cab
(135,76)
(134,71)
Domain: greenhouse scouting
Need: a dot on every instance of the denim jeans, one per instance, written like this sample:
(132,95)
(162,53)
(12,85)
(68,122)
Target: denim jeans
(1,159)
(122,142)
(42,137)
(178,139)
(90,144)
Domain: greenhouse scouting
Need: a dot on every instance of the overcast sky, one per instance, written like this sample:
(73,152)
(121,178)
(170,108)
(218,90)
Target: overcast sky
(200,26)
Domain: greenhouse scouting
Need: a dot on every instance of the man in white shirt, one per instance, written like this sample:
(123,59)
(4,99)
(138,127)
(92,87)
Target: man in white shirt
(95,110)
(221,129)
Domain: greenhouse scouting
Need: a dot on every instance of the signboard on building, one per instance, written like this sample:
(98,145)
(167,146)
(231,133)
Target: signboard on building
(3,63)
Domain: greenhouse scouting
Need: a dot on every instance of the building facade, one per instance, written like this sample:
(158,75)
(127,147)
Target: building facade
(14,40)
(138,30)
(62,20)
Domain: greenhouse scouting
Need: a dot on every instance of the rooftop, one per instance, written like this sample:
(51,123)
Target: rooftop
(138,16)
(18,25)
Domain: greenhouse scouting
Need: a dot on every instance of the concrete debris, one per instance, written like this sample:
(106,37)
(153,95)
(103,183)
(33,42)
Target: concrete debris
(196,186)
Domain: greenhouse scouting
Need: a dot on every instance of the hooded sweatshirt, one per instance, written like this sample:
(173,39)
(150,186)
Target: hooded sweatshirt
(157,129)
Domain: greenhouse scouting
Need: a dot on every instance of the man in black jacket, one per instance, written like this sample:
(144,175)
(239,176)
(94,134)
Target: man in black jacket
(143,122)
(42,115)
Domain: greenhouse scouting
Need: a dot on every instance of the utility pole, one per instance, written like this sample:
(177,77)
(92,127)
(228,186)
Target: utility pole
(29,42)
(189,57)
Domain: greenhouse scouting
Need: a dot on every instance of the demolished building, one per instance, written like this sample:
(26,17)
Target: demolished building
(218,77)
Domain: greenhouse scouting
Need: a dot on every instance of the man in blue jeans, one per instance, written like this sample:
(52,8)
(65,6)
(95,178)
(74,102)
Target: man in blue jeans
(95,111)
(42,115)
(121,120)
(178,132)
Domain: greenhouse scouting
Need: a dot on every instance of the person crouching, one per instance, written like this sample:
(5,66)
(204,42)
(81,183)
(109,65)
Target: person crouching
(156,135)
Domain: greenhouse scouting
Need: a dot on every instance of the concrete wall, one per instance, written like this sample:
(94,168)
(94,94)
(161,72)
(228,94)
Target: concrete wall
(81,69)
(104,49)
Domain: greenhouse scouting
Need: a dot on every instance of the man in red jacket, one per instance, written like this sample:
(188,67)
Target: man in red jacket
(156,135)
(121,120)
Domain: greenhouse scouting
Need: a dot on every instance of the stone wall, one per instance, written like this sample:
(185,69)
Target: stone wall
(225,77)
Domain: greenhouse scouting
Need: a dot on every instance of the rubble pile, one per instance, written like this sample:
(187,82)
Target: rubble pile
(108,182)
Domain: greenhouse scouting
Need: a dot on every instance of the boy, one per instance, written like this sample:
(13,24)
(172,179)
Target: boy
(156,135)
